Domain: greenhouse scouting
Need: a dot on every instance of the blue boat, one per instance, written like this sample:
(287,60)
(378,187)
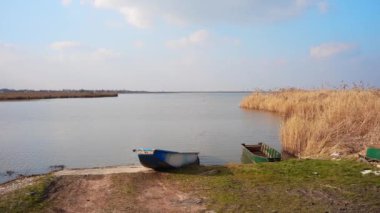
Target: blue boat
(162,159)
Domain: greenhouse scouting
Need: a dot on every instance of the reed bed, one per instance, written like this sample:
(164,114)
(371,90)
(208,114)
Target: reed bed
(324,121)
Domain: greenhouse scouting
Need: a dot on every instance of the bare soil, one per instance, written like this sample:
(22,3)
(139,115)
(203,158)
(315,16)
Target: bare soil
(119,189)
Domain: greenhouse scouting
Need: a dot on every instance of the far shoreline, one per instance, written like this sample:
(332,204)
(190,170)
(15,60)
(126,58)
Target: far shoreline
(17,95)
(33,95)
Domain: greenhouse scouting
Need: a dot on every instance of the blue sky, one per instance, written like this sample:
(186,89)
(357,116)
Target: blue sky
(188,45)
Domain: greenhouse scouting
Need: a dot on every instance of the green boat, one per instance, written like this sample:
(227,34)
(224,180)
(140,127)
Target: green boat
(259,153)
(373,154)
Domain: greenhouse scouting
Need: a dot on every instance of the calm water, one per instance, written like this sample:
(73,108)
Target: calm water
(103,131)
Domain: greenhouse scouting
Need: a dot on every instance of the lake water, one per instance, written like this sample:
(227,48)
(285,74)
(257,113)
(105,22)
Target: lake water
(103,131)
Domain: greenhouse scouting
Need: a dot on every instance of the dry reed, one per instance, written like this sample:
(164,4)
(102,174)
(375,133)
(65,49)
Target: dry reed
(321,122)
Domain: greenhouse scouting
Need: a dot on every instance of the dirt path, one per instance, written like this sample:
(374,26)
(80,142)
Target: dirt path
(79,194)
(112,189)
(162,197)
(119,189)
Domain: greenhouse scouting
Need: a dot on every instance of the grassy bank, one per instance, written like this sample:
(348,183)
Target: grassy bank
(287,186)
(29,95)
(320,122)
(28,199)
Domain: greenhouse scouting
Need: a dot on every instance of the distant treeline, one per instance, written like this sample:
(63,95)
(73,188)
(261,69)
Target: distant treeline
(6,94)
(5,90)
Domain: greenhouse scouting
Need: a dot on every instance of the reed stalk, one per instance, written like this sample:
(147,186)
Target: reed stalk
(321,122)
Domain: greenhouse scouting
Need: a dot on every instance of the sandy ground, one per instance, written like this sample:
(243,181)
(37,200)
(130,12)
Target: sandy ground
(26,181)
(103,170)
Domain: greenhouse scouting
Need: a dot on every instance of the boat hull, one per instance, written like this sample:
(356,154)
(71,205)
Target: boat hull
(259,154)
(373,154)
(162,159)
(248,157)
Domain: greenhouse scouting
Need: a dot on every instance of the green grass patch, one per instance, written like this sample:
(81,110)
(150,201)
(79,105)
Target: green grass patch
(286,186)
(28,199)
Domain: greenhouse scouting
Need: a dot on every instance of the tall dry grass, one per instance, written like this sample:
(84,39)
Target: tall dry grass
(321,122)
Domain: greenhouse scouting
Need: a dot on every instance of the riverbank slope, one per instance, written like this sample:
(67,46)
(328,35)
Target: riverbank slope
(319,123)
(288,186)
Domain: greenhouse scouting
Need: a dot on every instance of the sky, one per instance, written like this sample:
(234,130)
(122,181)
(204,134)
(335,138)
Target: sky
(180,45)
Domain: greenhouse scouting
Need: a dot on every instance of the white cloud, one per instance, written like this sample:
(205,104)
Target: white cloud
(143,13)
(230,40)
(323,7)
(70,51)
(138,44)
(64,45)
(83,57)
(133,12)
(114,24)
(195,38)
(328,50)
(66,2)
(7,46)
(8,52)
(94,67)
(135,16)
(103,53)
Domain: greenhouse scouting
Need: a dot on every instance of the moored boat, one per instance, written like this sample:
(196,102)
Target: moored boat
(162,159)
(259,153)
(373,154)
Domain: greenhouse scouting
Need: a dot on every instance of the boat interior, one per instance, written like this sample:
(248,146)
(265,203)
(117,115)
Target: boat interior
(255,149)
